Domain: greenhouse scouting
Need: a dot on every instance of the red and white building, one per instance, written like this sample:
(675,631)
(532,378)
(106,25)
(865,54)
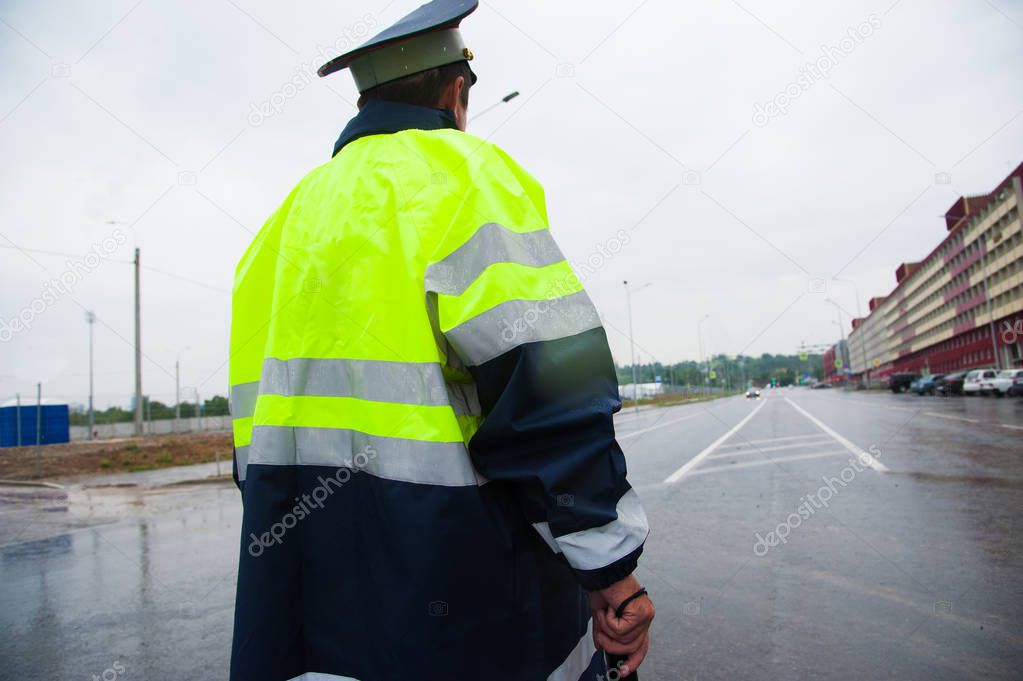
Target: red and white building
(960,307)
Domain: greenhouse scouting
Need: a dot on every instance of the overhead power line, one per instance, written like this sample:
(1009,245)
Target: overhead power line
(58,253)
(123,262)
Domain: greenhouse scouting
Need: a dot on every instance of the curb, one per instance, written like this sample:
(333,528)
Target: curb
(213,479)
(30,483)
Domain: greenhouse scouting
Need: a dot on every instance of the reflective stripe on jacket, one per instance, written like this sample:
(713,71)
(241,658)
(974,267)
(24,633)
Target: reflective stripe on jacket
(422,395)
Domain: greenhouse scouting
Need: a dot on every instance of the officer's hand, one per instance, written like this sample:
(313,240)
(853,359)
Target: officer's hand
(630,635)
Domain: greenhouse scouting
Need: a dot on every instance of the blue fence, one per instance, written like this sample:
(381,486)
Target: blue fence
(55,425)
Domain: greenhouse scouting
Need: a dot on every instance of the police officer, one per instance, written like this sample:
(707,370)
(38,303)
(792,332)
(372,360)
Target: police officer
(422,398)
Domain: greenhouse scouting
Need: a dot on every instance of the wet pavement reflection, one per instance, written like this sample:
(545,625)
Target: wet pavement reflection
(139,577)
(911,573)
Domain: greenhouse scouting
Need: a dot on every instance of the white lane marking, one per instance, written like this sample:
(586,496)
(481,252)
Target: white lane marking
(1006,425)
(747,443)
(950,417)
(655,427)
(752,464)
(695,461)
(758,450)
(857,452)
(808,436)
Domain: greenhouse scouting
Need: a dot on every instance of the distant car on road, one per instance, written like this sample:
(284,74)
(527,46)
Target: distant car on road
(820,385)
(926,385)
(951,384)
(900,383)
(753,393)
(1016,388)
(979,382)
(1004,380)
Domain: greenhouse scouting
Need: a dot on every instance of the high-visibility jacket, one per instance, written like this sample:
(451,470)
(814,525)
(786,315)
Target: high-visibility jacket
(422,395)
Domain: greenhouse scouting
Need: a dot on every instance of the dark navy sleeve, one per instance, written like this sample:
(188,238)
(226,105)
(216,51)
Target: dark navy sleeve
(548,430)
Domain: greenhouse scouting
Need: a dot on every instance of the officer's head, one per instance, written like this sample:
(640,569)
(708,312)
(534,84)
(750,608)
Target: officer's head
(421,60)
(445,87)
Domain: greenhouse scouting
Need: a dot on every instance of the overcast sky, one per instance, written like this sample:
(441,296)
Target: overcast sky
(744,180)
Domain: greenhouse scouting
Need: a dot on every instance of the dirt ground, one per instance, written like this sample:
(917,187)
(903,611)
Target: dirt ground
(124,455)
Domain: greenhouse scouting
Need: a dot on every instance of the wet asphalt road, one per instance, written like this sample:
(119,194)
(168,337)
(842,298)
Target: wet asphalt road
(807,535)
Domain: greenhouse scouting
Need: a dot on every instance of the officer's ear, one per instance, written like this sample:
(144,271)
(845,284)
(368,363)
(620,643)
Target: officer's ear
(452,98)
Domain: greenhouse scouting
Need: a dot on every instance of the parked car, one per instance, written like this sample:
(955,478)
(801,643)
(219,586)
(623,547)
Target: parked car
(1004,380)
(1016,388)
(926,385)
(979,382)
(951,384)
(899,383)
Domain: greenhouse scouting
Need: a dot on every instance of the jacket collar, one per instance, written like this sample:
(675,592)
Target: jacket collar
(378,117)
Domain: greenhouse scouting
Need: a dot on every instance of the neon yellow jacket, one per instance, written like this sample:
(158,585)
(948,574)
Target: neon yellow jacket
(422,398)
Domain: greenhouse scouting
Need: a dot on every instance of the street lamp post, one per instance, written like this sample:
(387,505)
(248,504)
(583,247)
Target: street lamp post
(504,100)
(90,319)
(841,329)
(987,297)
(632,343)
(632,349)
(177,388)
(859,313)
(856,291)
(138,345)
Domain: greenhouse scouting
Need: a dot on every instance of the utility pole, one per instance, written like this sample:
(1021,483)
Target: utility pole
(90,319)
(703,360)
(138,345)
(39,426)
(198,412)
(177,395)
